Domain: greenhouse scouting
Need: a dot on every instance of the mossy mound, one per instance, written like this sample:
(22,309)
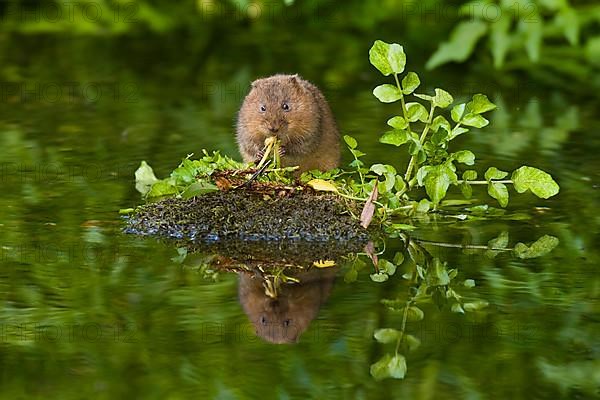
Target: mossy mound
(247,215)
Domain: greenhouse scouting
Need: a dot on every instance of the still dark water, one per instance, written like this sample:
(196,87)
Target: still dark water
(88,312)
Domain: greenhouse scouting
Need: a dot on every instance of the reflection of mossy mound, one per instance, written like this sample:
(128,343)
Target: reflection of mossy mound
(248,216)
(231,253)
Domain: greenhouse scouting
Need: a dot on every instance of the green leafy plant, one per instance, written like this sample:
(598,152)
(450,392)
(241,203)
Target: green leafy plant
(527,35)
(426,132)
(519,26)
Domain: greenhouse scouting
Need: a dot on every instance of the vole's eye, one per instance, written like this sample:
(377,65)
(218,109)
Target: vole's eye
(263,108)
(285,106)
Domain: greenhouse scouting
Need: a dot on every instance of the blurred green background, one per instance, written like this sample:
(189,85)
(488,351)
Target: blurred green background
(88,89)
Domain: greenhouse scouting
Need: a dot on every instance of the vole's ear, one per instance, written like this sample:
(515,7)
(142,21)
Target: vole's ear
(295,79)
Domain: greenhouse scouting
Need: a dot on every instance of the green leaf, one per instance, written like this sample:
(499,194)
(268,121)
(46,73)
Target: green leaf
(423,206)
(462,42)
(381,169)
(437,180)
(390,181)
(457,130)
(414,314)
(469,283)
(389,367)
(161,188)
(457,112)
(466,190)
(416,112)
(442,99)
(387,93)
(533,35)
(539,182)
(350,141)
(499,242)
(398,122)
(380,370)
(396,58)
(592,51)
(500,39)
(438,138)
(457,308)
(379,277)
(399,184)
(499,192)
(469,175)
(495,173)
(399,256)
(465,157)
(198,188)
(475,305)
(396,137)
(440,122)
(437,274)
(357,153)
(386,335)
(480,104)
(410,82)
(411,342)
(186,172)
(474,120)
(387,58)
(144,178)
(386,266)
(540,247)
(397,366)
(569,21)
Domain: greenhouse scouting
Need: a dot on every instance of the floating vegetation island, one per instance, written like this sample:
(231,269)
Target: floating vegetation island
(215,198)
(248,215)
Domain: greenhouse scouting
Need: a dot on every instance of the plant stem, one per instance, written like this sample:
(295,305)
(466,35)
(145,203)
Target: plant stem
(462,246)
(403,327)
(404,110)
(413,159)
(483,182)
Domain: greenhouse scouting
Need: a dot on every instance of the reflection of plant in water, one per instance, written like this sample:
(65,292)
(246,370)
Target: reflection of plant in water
(430,280)
(530,128)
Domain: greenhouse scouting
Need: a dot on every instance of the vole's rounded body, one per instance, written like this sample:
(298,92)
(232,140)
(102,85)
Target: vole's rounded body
(296,112)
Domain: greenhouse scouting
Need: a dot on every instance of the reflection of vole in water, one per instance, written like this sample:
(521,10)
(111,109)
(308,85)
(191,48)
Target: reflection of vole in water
(297,113)
(284,318)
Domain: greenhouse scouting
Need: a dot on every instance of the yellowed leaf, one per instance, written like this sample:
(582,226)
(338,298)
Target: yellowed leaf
(322,185)
(324,264)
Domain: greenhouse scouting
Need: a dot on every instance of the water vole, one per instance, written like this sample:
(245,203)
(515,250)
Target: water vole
(295,111)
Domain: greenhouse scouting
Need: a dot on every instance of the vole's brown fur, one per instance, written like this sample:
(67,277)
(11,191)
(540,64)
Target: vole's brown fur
(296,112)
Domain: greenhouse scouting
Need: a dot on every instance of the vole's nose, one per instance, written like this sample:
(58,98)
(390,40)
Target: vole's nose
(273,128)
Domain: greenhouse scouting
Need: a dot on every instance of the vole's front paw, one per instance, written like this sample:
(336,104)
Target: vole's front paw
(259,156)
(281,151)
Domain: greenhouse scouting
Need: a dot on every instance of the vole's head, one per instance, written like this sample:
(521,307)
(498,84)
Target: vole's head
(282,106)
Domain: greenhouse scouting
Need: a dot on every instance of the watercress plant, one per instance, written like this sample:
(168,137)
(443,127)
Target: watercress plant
(423,128)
